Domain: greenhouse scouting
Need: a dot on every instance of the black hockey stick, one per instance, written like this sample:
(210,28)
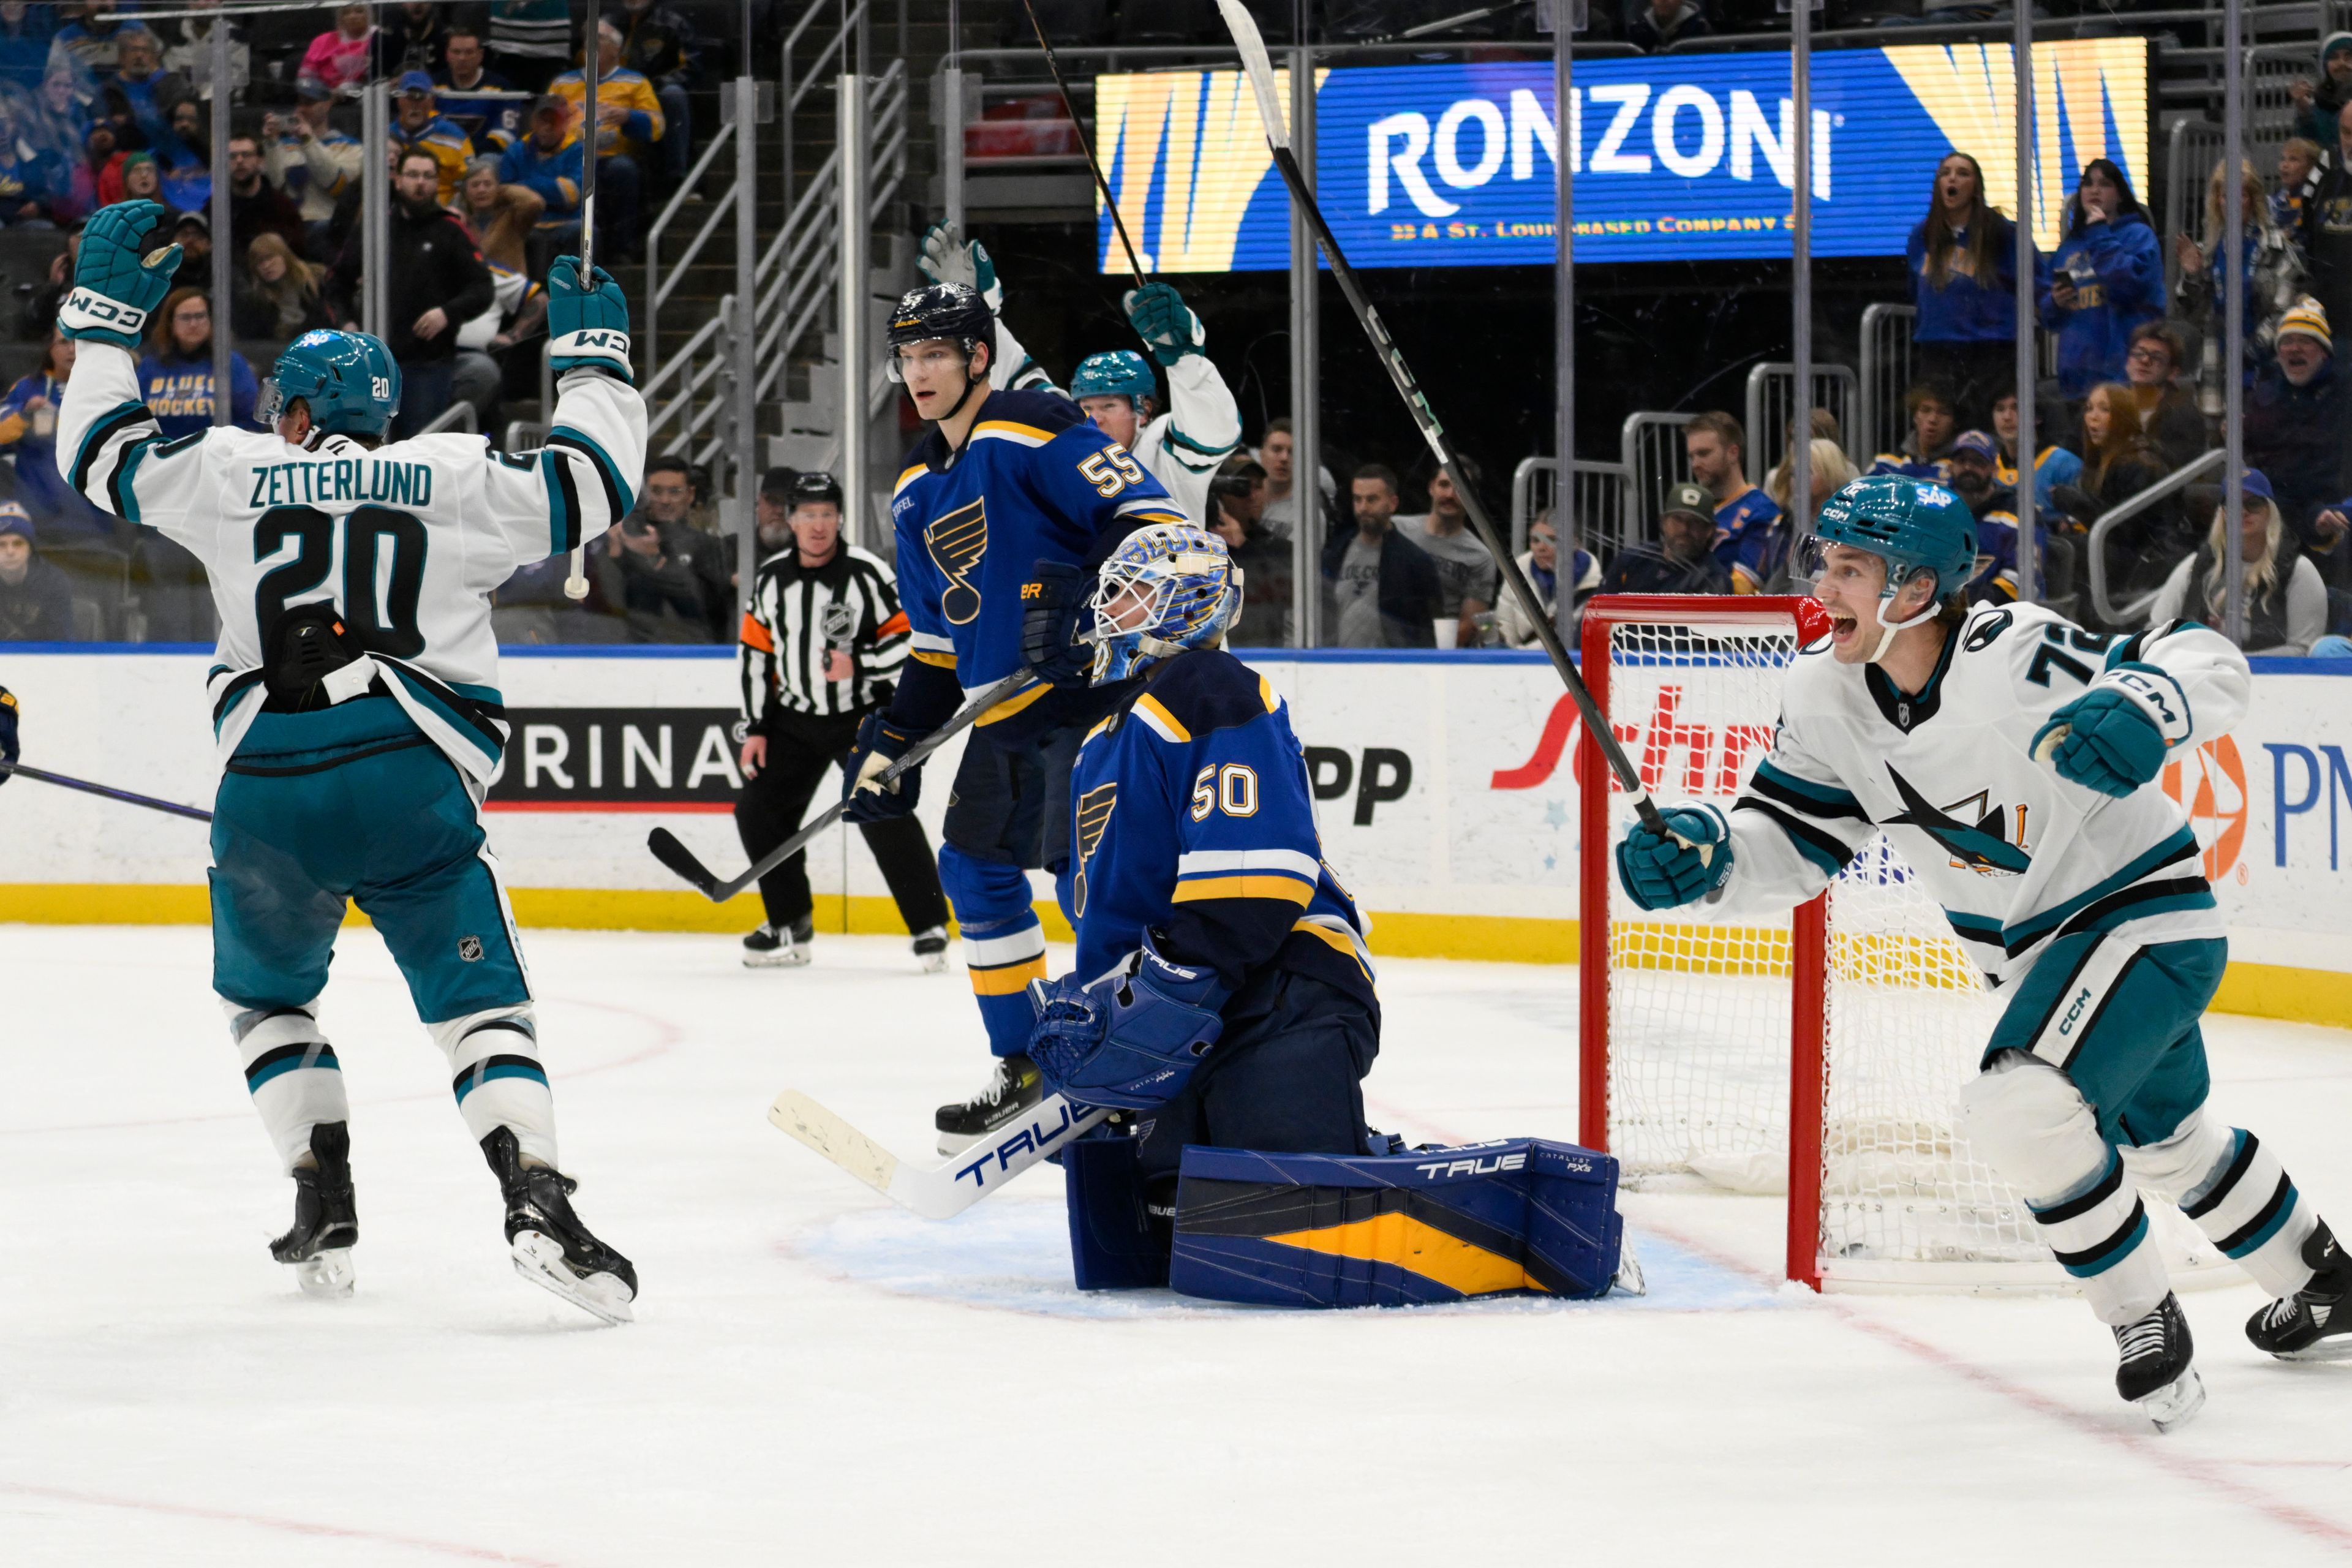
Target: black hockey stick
(680,859)
(124,795)
(575,582)
(1277,136)
(1070,108)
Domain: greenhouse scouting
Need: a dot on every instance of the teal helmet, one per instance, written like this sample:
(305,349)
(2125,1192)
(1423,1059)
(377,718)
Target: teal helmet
(1121,372)
(1916,525)
(349,380)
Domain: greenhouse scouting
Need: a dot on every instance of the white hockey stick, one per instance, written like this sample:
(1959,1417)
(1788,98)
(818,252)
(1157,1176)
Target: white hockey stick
(948,1188)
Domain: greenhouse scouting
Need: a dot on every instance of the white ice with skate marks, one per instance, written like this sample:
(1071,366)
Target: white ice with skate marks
(808,1378)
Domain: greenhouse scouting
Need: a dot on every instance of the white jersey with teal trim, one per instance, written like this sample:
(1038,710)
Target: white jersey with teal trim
(2014,854)
(406,542)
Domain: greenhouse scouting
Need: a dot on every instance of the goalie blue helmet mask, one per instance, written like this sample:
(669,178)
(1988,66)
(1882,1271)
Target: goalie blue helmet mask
(350,381)
(1170,587)
(1121,372)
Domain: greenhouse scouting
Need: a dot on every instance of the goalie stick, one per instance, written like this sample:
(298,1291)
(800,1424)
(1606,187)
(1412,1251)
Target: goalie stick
(1246,38)
(675,855)
(946,1189)
(124,795)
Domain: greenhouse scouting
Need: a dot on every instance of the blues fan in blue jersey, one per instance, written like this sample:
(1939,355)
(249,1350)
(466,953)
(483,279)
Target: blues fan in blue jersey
(1003,511)
(1222,988)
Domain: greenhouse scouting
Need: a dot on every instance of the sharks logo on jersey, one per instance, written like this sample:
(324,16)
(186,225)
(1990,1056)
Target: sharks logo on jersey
(957,541)
(1093,817)
(1979,848)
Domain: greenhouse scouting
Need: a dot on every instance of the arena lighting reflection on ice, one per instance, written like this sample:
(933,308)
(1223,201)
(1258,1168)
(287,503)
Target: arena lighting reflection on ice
(1685,157)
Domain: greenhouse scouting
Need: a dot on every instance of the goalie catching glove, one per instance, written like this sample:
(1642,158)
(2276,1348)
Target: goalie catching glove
(587,328)
(1130,1039)
(2115,736)
(117,281)
(1690,860)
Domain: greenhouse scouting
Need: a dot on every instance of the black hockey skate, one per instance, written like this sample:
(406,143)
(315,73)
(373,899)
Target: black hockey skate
(551,1249)
(768,948)
(326,1215)
(1011,1089)
(2316,1322)
(2155,1375)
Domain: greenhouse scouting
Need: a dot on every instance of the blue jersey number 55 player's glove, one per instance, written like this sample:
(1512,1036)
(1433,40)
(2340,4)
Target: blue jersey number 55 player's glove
(587,328)
(117,281)
(1691,861)
(1054,614)
(1133,1038)
(2114,737)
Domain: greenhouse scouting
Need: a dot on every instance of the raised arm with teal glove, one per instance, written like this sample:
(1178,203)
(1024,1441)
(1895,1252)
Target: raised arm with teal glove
(586,328)
(117,281)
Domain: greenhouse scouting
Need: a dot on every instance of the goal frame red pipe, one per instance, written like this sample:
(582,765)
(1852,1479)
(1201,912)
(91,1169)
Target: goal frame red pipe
(1808,926)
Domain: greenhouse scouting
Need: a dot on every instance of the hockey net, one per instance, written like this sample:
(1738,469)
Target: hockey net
(1843,1032)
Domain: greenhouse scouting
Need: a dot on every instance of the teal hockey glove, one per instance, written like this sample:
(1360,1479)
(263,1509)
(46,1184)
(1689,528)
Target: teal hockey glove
(586,328)
(117,281)
(1165,323)
(1664,873)
(948,258)
(2114,737)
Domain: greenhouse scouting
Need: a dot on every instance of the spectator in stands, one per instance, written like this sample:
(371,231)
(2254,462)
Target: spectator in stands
(1384,591)
(87,44)
(492,122)
(25,34)
(257,208)
(420,127)
(648,573)
(550,162)
(2297,419)
(629,126)
(2118,462)
(659,44)
(2266,261)
(531,40)
(2167,410)
(1654,24)
(2282,617)
(1275,452)
(501,215)
(2299,166)
(28,435)
(281,296)
(340,58)
(2054,464)
(1963,261)
(1762,566)
(193,233)
(36,597)
(310,161)
(1718,448)
(55,122)
(1540,565)
(1238,495)
(37,322)
(435,280)
(1994,504)
(497,352)
(2107,279)
(1682,560)
(188,51)
(2318,103)
(1927,405)
(2326,234)
(175,375)
(771,512)
(27,171)
(1467,581)
(667,502)
(412,38)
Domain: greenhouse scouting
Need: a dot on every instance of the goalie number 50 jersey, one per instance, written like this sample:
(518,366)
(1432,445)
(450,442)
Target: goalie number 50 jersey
(406,542)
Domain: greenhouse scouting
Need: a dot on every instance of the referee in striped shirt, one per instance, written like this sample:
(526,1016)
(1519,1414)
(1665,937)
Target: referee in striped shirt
(822,644)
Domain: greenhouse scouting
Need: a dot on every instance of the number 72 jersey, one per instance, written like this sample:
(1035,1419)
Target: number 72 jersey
(407,541)
(2014,854)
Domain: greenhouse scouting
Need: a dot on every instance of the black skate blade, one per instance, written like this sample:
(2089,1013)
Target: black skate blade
(539,1259)
(2337,1347)
(2176,1403)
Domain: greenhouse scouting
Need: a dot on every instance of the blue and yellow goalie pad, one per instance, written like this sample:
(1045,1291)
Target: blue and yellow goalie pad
(1522,1214)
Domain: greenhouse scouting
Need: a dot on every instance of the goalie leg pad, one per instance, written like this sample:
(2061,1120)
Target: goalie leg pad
(1518,1216)
(1116,1242)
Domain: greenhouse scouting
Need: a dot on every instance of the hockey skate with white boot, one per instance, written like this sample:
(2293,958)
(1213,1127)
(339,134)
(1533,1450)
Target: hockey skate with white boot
(2156,1374)
(326,1216)
(2316,1322)
(551,1249)
(768,948)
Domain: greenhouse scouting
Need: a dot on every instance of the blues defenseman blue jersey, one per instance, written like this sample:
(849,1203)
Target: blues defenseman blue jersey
(1191,815)
(1036,480)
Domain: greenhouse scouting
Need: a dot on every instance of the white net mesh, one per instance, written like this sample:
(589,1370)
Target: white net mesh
(1700,1014)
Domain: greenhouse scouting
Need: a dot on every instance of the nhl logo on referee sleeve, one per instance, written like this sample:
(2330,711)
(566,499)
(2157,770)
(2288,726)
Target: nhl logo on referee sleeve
(469,949)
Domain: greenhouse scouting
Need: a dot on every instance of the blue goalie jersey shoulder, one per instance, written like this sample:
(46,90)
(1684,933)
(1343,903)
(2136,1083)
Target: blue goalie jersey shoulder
(1035,480)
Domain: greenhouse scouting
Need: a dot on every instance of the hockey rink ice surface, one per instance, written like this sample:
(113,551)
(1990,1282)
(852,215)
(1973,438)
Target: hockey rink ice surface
(815,1376)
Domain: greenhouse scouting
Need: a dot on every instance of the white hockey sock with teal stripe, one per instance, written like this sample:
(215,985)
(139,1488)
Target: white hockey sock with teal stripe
(498,1078)
(291,1072)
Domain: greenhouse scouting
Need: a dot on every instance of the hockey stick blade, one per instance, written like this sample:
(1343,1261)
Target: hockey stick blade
(680,859)
(944,1190)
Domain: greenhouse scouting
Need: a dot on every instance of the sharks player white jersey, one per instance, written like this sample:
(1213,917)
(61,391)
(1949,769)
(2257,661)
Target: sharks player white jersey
(2013,853)
(407,541)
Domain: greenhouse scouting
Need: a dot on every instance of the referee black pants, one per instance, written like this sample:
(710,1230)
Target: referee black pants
(800,748)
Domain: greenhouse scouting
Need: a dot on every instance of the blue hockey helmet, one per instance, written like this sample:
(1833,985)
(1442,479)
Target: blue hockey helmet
(1169,587)
(1916,525)
(1121,372)
(349,380)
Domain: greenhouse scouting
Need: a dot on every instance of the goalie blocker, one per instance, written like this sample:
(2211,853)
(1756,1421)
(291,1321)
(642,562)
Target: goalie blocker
(1523,1215)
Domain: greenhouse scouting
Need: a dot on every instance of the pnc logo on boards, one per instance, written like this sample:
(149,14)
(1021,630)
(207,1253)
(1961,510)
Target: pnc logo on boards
(2211,786)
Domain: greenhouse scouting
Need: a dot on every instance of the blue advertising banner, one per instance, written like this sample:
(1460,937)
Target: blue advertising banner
(1685,157)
